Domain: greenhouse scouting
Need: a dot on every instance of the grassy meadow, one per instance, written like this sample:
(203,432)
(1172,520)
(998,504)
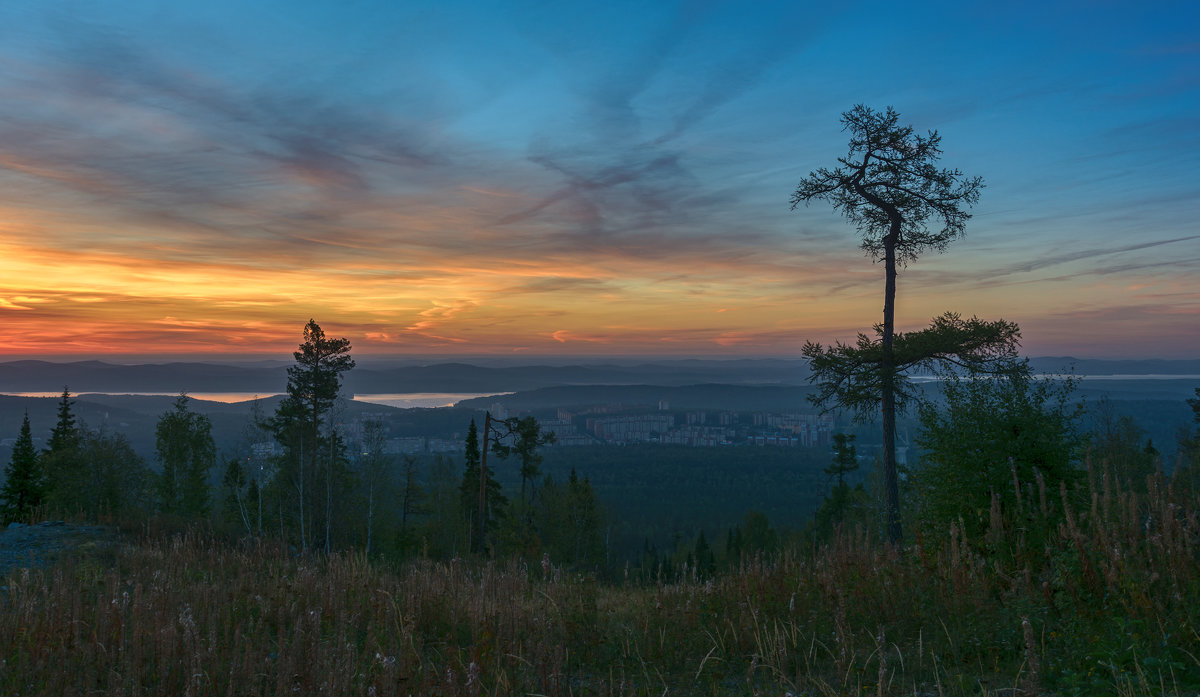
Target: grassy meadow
(1088,594)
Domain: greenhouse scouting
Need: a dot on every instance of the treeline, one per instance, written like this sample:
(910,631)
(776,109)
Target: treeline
(311,491)
(91,473)
(987,447)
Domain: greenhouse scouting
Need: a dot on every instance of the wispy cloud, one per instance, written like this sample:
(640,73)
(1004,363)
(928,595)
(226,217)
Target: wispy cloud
(553,177)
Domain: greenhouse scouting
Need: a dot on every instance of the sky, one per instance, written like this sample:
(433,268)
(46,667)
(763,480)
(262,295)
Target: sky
(567,178)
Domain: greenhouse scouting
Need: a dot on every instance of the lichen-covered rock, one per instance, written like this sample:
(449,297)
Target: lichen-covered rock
(39,545)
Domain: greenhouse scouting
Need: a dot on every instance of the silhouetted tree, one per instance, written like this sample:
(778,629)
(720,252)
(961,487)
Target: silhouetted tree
(23,484)
(62,462)
(184,445)
(845,457)
(889,187)
(529,437)
(65,435)
(312,387)
(522,437)
(494,499)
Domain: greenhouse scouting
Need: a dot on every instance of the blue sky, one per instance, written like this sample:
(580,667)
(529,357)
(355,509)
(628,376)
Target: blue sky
(581,178)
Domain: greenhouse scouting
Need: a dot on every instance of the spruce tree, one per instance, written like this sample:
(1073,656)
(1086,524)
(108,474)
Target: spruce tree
(65,481)
(23,487)
(65,436)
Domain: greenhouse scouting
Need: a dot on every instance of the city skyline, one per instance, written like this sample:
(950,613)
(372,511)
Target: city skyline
(524,179)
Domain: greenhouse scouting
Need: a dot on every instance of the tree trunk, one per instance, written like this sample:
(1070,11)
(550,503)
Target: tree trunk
(370,513)
(300,489)
(329,497)
(487,429)
(887,369)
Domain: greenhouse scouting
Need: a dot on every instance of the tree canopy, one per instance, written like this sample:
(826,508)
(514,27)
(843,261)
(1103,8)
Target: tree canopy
(850,377)
(889,186)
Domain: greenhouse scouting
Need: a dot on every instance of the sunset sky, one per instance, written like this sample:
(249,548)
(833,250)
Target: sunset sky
(581,178)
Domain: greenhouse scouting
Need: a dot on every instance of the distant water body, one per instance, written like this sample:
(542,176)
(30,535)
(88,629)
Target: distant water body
(1151,376)
(408,400)
(403,400)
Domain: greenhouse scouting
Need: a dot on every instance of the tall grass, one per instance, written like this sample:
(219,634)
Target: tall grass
(1075,593)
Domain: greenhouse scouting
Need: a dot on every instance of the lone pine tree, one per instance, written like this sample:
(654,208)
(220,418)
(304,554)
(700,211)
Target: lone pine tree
(889,187)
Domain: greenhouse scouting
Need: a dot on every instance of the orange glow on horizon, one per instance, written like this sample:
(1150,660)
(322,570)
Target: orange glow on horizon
(455,283)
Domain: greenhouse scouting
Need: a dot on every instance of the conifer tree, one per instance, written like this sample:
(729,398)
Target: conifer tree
(186,452)
(529,437)
(889,186)
(845,458)
(23,486)
(62,465)
(469,493)
(301,426)
(65,436)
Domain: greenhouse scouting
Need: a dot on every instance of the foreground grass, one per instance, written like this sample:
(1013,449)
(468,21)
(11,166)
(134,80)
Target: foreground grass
(1107,601)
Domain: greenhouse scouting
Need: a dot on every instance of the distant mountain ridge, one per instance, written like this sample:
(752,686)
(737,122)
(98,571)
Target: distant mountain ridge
(98,376)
